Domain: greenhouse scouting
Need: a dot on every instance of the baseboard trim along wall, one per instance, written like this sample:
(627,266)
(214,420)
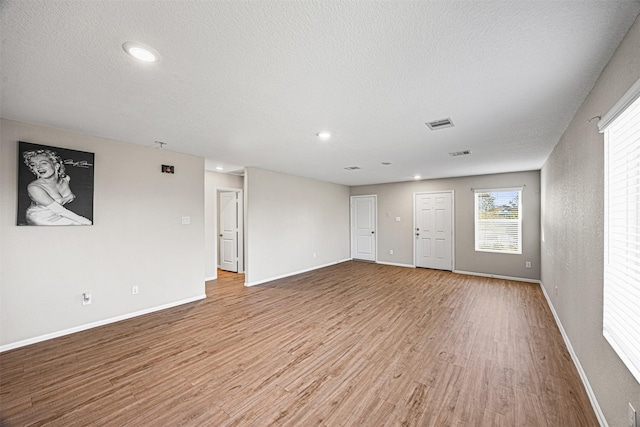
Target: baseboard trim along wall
(497,276)
(396,264)
(576,362)
(282,276)
(207,279)
(96,324)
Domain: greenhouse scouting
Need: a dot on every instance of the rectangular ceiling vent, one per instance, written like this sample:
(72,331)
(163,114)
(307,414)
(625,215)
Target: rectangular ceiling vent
(352,168)
(460,153)
(440,124)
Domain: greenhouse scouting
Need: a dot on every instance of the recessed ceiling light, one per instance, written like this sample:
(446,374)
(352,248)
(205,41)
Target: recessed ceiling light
(219,168)
(417,177)
(141,52)
(324,135)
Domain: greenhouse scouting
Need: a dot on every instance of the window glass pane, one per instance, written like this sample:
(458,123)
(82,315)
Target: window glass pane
(498,221)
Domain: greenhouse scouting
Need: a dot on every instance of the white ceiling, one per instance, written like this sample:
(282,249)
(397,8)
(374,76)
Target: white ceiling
(251,83)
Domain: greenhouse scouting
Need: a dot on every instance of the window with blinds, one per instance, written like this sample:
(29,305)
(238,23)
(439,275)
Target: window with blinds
(498,220)
(621,311)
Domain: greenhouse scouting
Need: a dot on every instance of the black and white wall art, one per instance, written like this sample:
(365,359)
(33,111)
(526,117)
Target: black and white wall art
(55,185)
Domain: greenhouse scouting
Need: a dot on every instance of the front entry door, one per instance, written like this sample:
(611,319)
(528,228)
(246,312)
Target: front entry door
(433,230)
(363,228)
(229,231)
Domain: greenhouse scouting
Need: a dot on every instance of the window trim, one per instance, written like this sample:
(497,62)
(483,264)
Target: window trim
(623,103)
(519,220)
(617,318)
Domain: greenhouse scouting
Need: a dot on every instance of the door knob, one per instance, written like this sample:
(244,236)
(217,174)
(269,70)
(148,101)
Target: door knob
(221,235)
(372,232)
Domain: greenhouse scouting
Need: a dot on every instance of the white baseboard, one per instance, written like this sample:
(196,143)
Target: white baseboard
(206,279)
(497,276)
(282,276)
(396,264)
(57,334)
(576,362)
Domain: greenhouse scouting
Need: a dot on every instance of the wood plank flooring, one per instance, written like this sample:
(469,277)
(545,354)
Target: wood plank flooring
(356,344)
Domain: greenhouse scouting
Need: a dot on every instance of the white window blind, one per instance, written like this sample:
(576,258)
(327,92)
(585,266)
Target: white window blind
(498,220)
(621,311)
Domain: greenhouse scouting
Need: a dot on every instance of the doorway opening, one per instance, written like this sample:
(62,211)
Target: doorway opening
(231,230)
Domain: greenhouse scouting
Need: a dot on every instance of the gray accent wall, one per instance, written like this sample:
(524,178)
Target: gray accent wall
(573,232)
(288,219)
(396,200)
(137,239)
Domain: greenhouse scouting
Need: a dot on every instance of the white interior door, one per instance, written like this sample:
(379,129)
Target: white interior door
(228,231)
(434,230)
(363,227)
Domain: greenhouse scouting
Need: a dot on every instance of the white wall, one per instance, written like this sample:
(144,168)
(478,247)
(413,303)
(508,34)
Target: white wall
(137,239)
(288,219)
(396,200)
(572,183)
(213,181)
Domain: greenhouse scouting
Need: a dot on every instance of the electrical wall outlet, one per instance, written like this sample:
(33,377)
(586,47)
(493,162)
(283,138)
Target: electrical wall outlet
(390,251)
(632,421)
(556,291)
(134,290)
(86,298)
(527,264)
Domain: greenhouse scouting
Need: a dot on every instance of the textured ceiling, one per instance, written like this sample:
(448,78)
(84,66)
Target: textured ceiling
(251,83)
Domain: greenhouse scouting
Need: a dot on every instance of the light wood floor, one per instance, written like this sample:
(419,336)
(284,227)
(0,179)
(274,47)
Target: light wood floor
(355,344)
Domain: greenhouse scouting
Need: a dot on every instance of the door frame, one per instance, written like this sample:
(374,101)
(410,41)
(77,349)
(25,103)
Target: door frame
(375,213)
(240,221)
(453,225)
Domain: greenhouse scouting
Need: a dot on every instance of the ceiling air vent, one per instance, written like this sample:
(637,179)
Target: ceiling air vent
(460,153)
(352,168)
(440,124)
